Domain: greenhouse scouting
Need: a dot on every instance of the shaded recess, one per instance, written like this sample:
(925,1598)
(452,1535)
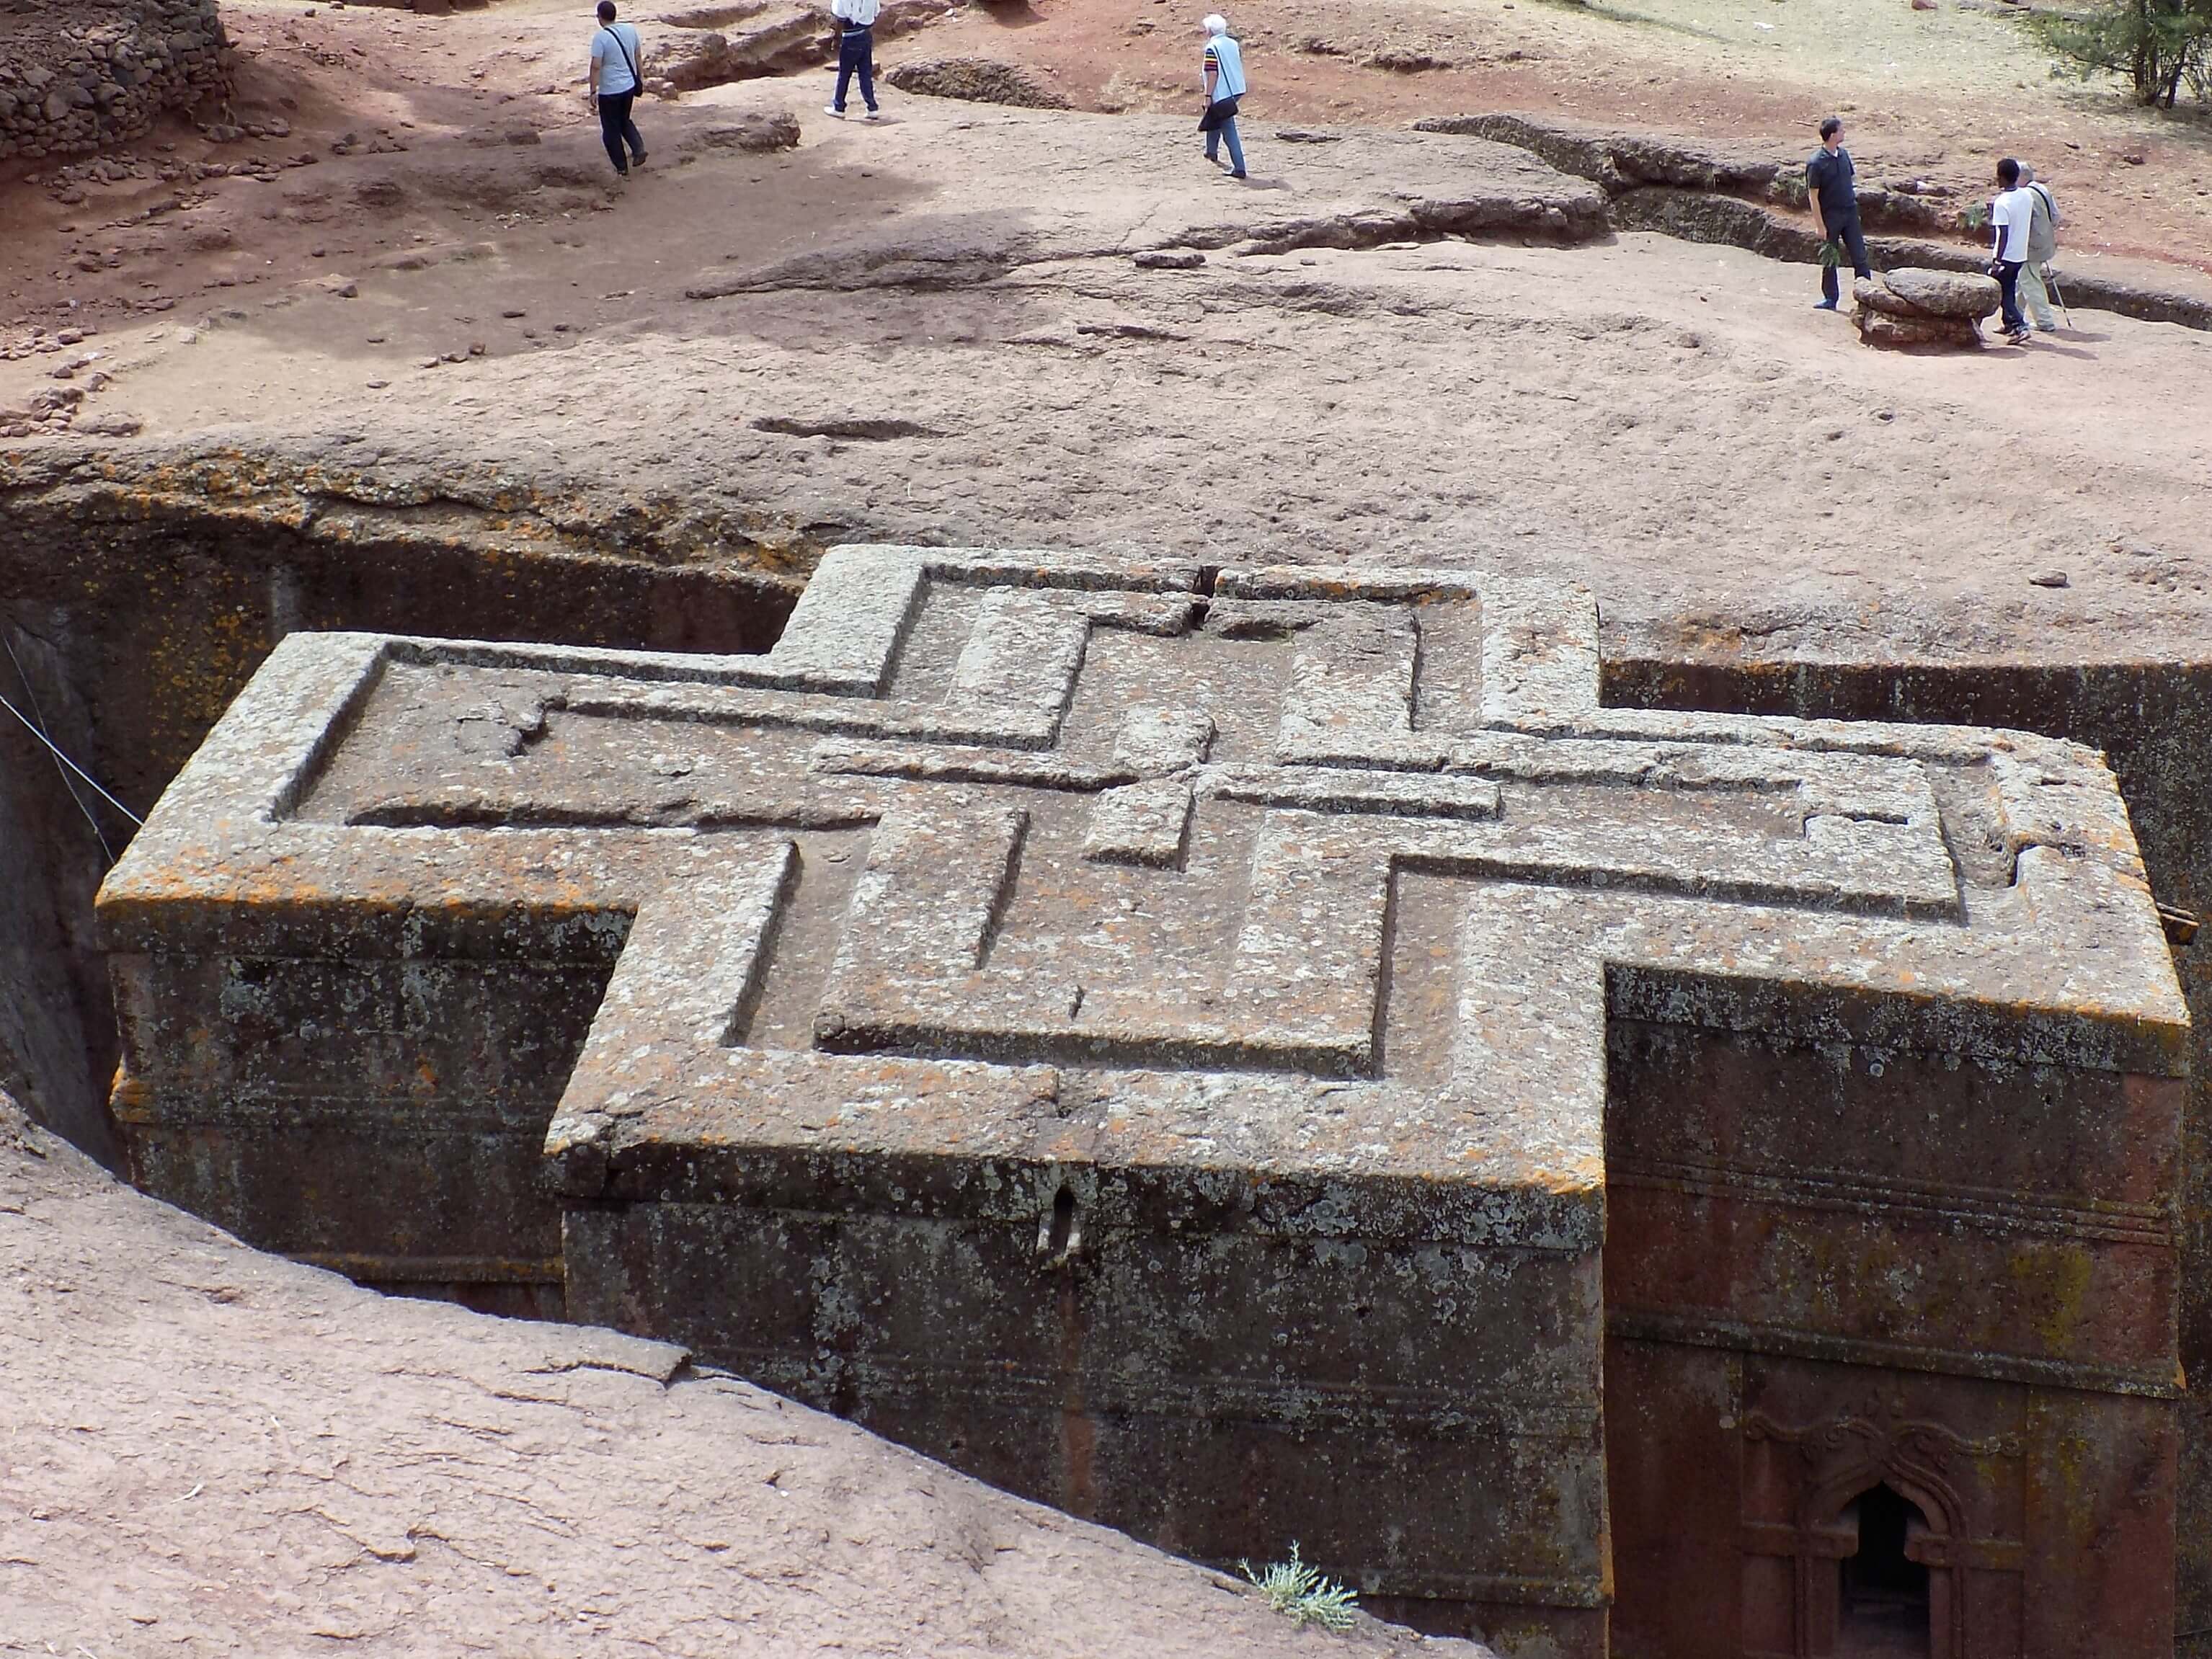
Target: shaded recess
(1883,1590)
(133,615)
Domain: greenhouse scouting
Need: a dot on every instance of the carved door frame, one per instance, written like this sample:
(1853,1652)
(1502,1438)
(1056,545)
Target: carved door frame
(1842,1459)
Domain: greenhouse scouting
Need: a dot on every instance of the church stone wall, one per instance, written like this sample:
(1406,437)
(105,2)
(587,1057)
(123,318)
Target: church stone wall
(1151,1035)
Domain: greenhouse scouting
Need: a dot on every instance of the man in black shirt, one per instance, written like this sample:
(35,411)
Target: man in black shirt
(1828,184)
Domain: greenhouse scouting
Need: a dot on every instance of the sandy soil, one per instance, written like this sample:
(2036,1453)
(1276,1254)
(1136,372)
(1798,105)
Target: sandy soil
(205,1451)
(1672,423)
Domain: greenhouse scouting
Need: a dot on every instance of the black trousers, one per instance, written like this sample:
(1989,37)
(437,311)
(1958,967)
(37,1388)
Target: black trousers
(617,129)
(2008,285)
(856,55)
(1845,230)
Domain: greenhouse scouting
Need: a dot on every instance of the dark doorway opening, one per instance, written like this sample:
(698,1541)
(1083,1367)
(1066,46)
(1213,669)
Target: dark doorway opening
(1885,1593)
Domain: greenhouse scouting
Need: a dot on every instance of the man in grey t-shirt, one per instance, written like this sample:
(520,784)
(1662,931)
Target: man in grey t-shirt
(616,82)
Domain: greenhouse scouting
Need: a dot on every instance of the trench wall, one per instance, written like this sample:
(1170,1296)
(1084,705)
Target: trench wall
(76,75)
(2153,722)
(1698,193)
(135,616)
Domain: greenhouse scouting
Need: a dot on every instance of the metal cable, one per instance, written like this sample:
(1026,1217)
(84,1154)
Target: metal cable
(31,693)
(31,726)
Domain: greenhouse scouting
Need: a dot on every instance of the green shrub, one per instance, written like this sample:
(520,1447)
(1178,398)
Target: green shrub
(2158,45)
(1300,1594)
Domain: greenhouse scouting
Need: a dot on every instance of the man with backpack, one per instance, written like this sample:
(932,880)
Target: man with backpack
(2042,249)
(616,83)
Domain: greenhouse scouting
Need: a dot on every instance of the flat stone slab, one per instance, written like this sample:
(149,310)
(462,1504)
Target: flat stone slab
(1909,308)
(1243,1055)
(1910,292)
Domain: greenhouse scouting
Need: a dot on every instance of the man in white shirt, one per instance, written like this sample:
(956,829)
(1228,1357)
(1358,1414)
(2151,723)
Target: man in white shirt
(2012,216)
(856,52)
(1224,85)
(616,82)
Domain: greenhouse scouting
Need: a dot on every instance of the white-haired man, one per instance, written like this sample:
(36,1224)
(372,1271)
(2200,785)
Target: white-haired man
(1224,85)
(2042,249)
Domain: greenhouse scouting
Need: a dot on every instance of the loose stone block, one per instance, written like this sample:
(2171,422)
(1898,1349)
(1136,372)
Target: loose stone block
(1924,307)
(1266,1061)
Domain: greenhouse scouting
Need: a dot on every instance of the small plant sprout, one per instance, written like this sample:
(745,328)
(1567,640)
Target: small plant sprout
(1300,1594)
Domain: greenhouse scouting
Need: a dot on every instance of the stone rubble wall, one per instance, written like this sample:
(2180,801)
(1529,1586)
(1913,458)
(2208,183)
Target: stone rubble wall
(76,74)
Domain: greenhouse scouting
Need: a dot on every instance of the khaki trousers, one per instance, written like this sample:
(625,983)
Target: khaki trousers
(2034,295)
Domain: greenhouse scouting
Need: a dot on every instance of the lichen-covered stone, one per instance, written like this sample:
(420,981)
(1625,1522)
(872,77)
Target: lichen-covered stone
(977,79)
(1273,1060)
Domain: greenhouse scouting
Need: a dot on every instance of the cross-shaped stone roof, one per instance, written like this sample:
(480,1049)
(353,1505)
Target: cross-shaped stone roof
(1009,874)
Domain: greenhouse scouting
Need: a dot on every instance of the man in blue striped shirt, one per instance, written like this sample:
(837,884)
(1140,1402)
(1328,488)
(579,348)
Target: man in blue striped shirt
(1224,85)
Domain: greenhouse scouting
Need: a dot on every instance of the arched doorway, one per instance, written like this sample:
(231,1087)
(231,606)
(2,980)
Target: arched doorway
(1883,1603)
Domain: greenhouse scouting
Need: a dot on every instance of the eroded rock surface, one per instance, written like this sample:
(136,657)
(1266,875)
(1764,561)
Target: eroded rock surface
(754,134)
(1942,293)
(207,1451)
(976,81)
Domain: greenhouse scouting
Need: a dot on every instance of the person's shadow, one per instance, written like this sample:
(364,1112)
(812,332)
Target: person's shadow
(2070,346)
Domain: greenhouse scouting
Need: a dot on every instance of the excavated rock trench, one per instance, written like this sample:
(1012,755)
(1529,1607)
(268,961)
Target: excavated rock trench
(1698,194)
(133,609)
(132,614)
